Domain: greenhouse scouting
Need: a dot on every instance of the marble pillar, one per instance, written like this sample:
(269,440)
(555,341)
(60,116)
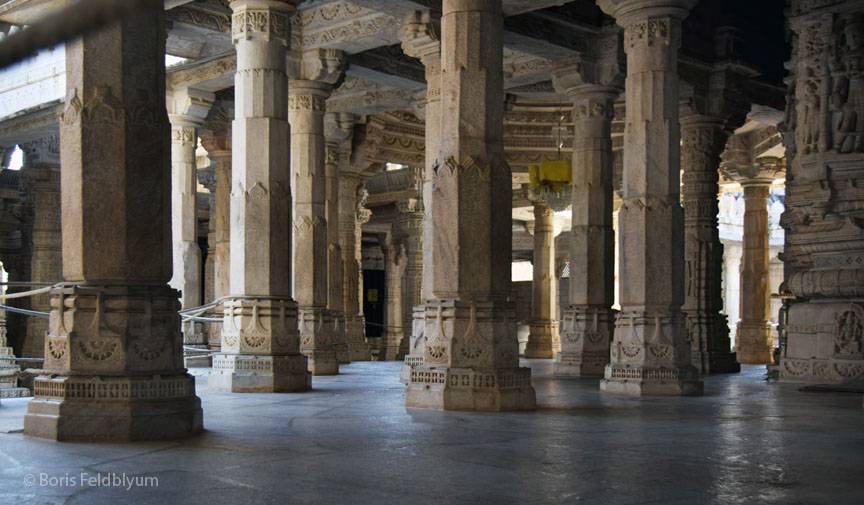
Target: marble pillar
(409,226)
(395,263)
(260,343)
(335,276)
(217,142)
(421,38)
(316,72)
(650,354)
(753,342)
(823,254)
(471,359)
(703,140)
(589,321)
(543,328)
(42,174)
(351,186)
(186,111)
(113,364)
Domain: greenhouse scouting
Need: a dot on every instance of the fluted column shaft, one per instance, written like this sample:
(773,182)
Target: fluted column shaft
(703,140)
(650,353)
(753,341)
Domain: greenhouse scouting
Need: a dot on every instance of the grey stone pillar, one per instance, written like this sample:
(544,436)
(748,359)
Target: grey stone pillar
(395,262)
(335,275)
(471,357)
(650,353)
(420,35)
(753,341)
(317,71)
(588,322)
(703,140)
(42,172)
(543,328)
(351,187)
(187,108)
(260,344)
(113,365)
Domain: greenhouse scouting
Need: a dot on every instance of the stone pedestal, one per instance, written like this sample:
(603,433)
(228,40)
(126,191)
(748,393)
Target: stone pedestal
(317,70)
(543,328)
(113,366)
(753,341)
(703,140)
(471,359)
(650,354)
(260,342)
(8,383)
(588,323)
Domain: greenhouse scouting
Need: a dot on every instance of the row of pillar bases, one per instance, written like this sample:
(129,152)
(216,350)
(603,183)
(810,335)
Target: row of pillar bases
(113,367)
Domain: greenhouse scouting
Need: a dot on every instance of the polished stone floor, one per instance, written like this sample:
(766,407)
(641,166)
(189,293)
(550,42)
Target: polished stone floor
(351,441)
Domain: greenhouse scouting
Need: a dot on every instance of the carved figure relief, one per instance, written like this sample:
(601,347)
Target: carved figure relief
(848,331)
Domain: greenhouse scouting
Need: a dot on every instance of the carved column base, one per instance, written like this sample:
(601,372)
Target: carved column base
(341,346)
(650,355)
(824,342)
(415,349)
(316,340)
(485,390)
(395,346)
(239,373)
(194,336)
(709,344)
(259,348)
(355,335)
(541,339)
(585,339)
(471,360)
(753,344)
(94,408)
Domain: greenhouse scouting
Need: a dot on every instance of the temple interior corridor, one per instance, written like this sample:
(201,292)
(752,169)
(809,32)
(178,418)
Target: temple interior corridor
(351,440)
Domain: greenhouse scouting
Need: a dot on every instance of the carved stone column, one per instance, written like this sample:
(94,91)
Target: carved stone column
(471,357)
(335,275)
(753,341)
(351,187)
(543,327)
(217,142)
(420,36)
(42,171)
(187,108)
(823,255)
(395,262)
(260,344)
(703,140)
(409,227)
(317,70)
(650,353)
(113,365)
(593,83)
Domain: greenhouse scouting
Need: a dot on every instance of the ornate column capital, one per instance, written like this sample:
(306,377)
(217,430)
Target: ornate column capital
(45,151)
(188,106)
(599,71)
(420,34)
(628,12)
(262,19)
(320,65)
